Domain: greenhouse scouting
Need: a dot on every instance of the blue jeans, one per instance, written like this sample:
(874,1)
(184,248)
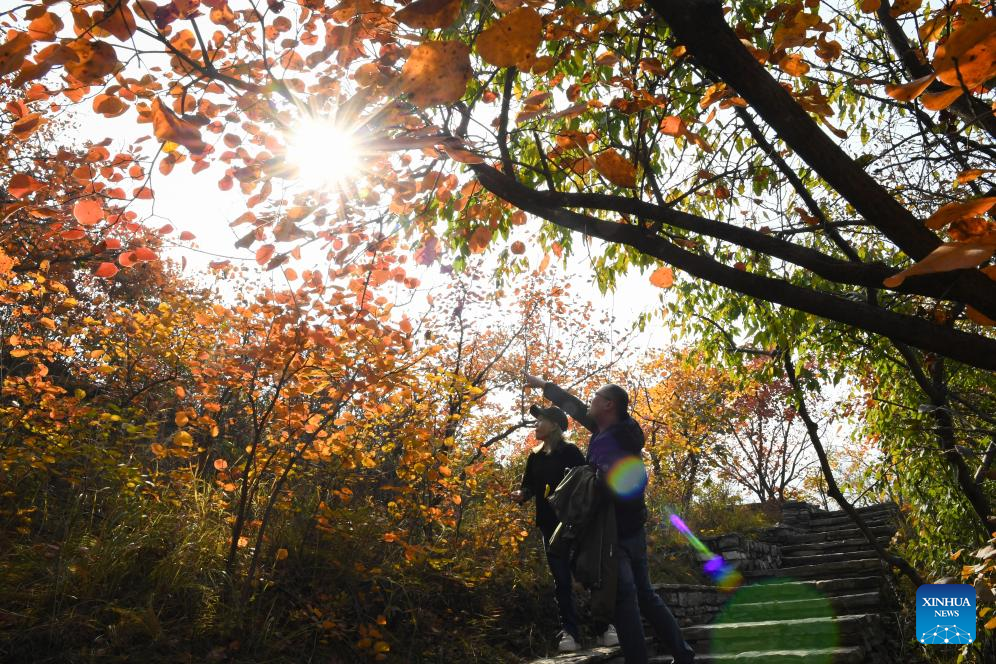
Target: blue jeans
(563,590)
(634,596)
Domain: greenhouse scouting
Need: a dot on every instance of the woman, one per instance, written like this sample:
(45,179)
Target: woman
(545,467)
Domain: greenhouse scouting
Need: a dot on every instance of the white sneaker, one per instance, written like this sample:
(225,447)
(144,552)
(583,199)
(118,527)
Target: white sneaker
(609,637)
(567,643)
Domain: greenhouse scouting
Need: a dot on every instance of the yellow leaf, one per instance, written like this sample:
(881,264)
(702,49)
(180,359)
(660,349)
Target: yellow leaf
(429,14)
(969,54)
(991,624)
(512,41)
(436,73)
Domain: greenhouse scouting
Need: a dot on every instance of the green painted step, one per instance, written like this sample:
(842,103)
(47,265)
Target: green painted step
(797,634)
(854,655)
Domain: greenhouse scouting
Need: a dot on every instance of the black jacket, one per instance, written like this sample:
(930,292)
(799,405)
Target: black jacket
(588,529)
(542,475)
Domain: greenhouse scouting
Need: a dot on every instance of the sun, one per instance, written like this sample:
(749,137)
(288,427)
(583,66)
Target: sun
(324,153)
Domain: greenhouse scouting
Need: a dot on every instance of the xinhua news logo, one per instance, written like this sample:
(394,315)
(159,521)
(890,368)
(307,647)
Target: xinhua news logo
(945,613)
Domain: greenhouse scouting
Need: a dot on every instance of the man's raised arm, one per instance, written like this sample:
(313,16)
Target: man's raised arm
(564,400)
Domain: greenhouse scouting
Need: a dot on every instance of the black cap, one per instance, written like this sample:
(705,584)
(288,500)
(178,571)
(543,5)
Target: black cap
(552,413)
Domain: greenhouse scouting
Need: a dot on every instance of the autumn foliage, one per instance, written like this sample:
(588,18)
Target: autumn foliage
(797,184)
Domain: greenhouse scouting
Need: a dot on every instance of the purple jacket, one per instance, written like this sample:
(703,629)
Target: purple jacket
(605,449)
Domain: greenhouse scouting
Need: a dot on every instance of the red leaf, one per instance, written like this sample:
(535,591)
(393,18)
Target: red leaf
(73,234)
(106,270)
(88,212)
(187,235)
(145,254)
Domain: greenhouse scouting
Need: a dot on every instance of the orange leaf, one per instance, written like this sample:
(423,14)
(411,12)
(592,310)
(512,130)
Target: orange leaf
(968,55)
(126,259)
(429,14)
(969,175)
(106,270)
(991,624)
(120,23)
(436,73)
(512,41)
(938,101)
(794,65)
(870,6)
(45,27)
(456,150)
(616,169)
(220,464)
(948,256)
(672,125)
(167,126)
(282,554)
(954,211)
(900,7)
(518,247)
(96,60)
(21,185)
(264,253)
(479,239)
(27,125)
(110,106)
(911,90)
(662,277)
(88,212)
(158,450)
(13,52)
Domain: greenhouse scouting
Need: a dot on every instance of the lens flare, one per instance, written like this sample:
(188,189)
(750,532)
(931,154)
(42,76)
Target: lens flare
(628,477)
(725,575)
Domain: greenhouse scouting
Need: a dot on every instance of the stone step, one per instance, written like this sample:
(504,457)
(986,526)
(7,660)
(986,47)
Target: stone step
(852,655)
(837,535)
(846,521)
(843,568)
(816,559)
(769,635)
(776,608)
(878,508)
(825,587)
(839,546)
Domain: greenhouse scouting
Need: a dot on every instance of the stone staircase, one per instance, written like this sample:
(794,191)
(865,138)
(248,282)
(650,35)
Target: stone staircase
(814,592)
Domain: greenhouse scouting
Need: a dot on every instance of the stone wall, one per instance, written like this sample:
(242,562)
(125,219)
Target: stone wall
(746,554)
(692,605)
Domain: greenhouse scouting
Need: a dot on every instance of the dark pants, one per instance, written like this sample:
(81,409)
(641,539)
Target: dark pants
(634,596)
(564,591)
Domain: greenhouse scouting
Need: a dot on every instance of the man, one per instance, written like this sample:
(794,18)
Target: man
(545,468)
(617,439)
